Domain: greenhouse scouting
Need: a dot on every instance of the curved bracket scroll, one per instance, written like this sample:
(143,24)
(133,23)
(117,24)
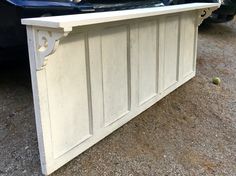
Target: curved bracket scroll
(46,44)
(205,13)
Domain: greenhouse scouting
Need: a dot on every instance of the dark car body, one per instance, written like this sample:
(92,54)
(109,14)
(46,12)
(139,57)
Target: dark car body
(225,13)
(12,33)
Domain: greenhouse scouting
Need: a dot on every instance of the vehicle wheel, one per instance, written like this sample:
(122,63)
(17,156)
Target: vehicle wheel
(218,18)
(230,17)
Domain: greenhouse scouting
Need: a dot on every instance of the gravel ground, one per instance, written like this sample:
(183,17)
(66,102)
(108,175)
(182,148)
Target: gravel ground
(191,132)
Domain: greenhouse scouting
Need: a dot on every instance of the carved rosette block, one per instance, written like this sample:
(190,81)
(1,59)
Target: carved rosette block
(46,44)
(205,13)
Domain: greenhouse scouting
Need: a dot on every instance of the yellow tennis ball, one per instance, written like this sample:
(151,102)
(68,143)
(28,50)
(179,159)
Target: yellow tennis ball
(216,80)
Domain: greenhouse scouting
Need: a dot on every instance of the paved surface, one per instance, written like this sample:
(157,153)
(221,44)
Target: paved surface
(190,132)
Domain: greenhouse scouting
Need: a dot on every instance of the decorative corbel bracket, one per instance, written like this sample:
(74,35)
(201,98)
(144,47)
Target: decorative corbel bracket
(46,44)
(205,13)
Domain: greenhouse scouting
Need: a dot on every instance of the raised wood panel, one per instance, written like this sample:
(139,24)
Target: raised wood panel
(171,36)
(103,75)
(147,60)
(115,73)
(187,40)
(66,78)
(94,41)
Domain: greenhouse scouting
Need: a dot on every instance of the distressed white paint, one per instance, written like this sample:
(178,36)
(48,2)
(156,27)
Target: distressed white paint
(102,75)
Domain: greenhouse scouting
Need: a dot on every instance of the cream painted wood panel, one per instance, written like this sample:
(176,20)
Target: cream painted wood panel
(69,80)
(148,60)
(115,73)
(187,40)
(170,50)
(102,75)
